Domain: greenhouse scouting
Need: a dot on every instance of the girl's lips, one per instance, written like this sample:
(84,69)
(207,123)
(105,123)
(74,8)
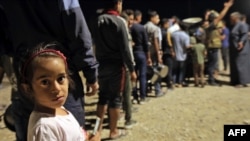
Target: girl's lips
(61,98)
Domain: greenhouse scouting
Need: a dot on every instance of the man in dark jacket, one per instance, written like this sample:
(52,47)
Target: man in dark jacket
(31,22)
(113,53)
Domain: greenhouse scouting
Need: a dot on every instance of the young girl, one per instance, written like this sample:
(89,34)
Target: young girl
(45,80)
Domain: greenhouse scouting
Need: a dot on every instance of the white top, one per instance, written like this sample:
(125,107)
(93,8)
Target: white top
(47,127)
(181,41)
(173,28)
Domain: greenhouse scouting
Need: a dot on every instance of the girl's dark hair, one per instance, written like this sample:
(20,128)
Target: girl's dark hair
(45,49)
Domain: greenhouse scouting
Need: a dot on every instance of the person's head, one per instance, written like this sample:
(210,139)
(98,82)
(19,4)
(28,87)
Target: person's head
(130,14)
(175,20)
(165,23)
(45,76)
(114,4)
(154,17)
(124,15)
(235,17)
(138,16)
(243,18)
(212,15)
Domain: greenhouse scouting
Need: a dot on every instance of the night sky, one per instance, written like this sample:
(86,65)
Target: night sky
(181,8)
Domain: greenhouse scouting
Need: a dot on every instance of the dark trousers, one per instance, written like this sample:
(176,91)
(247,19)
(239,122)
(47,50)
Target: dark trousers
(169,61)
(127,104)
(141,70)
(111,79)
(179,71)
(225,57)
(212,63)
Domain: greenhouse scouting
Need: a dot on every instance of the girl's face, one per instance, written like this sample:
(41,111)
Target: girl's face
(50,83)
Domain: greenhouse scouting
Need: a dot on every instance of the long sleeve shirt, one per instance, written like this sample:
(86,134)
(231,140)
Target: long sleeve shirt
(111,40)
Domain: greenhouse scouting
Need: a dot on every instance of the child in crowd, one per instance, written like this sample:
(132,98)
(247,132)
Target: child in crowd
(45,80)
(198,57)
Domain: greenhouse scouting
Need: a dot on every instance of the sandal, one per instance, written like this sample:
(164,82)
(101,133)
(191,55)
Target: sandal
(121,133)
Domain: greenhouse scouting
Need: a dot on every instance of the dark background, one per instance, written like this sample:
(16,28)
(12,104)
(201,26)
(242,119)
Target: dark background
(168,8)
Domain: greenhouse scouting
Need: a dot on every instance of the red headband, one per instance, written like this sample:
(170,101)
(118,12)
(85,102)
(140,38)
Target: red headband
(40,52)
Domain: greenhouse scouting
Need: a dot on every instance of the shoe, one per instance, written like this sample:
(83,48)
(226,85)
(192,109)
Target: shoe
(135,101)
(171,87)
(196,85)
(129,124)
(184,84)
(121,133)
(213,84)
(202,85)
(160,94)
(143,101)
(240,86)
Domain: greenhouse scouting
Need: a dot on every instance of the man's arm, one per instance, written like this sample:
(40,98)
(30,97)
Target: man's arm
(224,11)
(146,46)
(125,49)
(79,40)
(156,44)
(169,39)
(243,31)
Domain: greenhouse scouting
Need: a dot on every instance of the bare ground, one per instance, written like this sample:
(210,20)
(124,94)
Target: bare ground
(184,114)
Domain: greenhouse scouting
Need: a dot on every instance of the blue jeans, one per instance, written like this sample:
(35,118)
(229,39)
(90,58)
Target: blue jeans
(225,57)
(141,71)
(179,71)
(212,63)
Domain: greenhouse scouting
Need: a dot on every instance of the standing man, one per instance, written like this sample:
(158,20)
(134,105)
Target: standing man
(168,52)
(113,54)
(239,52)
(31,22)
(141,55)
(225,45)
(181,43)
(214,39)
(154,37)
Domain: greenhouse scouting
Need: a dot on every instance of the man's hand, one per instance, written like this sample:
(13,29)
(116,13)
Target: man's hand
(96,137)
(149,62)
(160,60)
(240,46)
(229,3)
(93,89)
(133,76)
(160,53)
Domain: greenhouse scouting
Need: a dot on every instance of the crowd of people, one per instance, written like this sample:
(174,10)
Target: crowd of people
(114,53)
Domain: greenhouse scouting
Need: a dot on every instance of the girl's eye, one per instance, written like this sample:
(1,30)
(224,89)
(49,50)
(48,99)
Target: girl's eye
(45,82)
(61,79)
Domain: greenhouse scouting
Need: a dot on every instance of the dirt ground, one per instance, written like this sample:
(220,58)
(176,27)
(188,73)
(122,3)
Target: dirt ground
(184,114)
